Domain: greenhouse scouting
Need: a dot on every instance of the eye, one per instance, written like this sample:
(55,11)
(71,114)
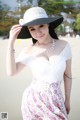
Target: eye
(32,29)
(41,26)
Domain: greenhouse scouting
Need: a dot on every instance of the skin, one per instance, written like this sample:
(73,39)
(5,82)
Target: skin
(41,33)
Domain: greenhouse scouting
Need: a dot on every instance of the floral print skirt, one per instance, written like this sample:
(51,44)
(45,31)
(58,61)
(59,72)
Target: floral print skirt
(43,102)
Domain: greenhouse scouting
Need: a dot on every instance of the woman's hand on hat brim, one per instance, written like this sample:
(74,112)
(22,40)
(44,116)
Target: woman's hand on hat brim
(15,30)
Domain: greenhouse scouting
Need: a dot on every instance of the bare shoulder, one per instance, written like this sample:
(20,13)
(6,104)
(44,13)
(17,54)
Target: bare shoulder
(61,43)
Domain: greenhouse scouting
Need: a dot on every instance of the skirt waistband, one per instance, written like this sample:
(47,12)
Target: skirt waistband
(45,86)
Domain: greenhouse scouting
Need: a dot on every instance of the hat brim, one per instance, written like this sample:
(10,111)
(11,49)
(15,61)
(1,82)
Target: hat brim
(53,21)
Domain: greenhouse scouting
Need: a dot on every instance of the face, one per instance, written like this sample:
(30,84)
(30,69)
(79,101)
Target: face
(39,32)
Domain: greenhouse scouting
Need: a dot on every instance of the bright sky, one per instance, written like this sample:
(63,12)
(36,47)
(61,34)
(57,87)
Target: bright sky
(11,3)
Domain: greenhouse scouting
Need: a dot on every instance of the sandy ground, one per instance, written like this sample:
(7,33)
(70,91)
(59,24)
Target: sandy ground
(11,88)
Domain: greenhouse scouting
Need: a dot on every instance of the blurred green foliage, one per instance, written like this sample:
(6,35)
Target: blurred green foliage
(77,22)
(53,7)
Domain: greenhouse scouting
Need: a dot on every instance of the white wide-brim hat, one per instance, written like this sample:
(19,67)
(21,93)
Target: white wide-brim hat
(37,16)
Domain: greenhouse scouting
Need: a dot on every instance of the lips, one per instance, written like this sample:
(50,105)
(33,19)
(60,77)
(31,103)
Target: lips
(40,36)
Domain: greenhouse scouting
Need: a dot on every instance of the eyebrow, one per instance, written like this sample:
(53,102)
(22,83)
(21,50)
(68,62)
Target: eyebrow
(30,27)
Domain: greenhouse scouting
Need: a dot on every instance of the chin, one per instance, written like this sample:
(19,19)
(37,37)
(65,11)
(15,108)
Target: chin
(41,39)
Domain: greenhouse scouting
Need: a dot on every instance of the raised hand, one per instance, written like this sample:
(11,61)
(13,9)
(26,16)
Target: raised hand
(14,33)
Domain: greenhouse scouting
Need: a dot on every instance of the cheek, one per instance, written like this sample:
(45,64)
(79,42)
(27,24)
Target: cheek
(32,33)
(46,31)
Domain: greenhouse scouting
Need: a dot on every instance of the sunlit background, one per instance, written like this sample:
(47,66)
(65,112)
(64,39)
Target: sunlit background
(12,10)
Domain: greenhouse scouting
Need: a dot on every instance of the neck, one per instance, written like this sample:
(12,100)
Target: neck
(46,42)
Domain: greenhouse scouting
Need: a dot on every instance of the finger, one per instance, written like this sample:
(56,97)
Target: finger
(16,29)
(16,32)
(16,26)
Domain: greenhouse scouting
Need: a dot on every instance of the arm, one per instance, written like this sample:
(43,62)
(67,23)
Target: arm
(13,67)
(67,85)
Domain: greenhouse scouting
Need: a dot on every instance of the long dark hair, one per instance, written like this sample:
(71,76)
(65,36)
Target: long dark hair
(51,32)
(23,35)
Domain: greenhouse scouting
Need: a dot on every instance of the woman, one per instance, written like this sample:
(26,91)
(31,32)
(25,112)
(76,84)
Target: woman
(50,62)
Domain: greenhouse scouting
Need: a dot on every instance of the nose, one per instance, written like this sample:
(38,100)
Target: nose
(38,32)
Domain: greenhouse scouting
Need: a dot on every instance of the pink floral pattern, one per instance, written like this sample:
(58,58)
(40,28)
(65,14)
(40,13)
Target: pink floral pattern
(44,105)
